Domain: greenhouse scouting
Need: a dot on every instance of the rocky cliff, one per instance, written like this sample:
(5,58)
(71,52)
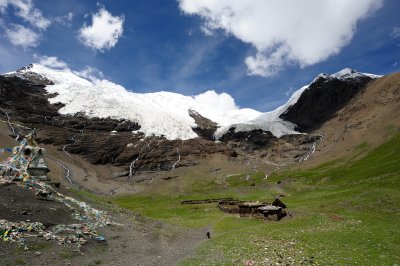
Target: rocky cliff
(326,95)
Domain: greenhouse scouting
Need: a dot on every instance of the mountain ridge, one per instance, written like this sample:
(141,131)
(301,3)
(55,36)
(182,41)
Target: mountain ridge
(123,144)
(163,113)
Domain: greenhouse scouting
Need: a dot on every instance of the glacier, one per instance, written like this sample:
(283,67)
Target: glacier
(162,113)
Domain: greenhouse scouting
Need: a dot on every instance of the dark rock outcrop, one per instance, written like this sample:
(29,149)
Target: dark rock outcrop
(255,139)
(205,127)
(31,76)
(262,144)
(325,96)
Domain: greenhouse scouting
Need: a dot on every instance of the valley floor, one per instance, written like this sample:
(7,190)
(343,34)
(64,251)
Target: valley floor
(136,241)
(344,212)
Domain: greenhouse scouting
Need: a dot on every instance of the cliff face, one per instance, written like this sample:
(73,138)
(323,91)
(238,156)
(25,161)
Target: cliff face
(321,101)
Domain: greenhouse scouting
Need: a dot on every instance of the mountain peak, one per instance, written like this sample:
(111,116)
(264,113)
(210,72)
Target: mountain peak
(346,74)
(346,71)
(349,73)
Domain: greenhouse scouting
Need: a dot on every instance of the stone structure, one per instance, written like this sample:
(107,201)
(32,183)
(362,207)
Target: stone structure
(254,208)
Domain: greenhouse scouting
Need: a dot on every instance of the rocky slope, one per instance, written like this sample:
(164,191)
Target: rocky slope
(122,143)
(358,113)
(100,141)
(369,119)
(325,96)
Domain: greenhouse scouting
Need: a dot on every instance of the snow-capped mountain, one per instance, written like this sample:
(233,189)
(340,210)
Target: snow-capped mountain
(160,113)
(273,122)
(164,113)
(346,74)
(95,119)
(323,97)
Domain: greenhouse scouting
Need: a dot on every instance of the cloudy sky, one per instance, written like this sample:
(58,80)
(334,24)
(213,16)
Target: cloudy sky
(258,51)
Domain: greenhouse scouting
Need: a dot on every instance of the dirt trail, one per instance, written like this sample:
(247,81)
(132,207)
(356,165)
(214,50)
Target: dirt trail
(137,241)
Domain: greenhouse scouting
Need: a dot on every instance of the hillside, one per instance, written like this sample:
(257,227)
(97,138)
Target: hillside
(106,124)
(368,120)
(330,154)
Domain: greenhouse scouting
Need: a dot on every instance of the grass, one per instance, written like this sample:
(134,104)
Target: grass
(39,246)
(67,254)
(20,262)
(168,208)
(345,211)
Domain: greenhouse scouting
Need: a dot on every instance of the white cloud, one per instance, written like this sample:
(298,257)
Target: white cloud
(284,32)
(206,30)
(65,20)
(90,73)
(50,61)
(213,99)
(395,33)
(26,10)
(21,36)
(70,16)
(104,31)
(3,5)
(290,91)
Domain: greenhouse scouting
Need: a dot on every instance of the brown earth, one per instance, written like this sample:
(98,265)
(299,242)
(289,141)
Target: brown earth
(5,140)
(370,118)
(321,101)
(19,204)
(136,241)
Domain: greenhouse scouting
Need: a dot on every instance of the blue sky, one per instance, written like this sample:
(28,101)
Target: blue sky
(191,46)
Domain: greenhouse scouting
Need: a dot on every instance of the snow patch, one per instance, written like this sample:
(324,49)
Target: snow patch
(348,73)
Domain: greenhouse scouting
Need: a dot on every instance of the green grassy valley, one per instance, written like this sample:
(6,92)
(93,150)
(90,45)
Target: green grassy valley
(345,211)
